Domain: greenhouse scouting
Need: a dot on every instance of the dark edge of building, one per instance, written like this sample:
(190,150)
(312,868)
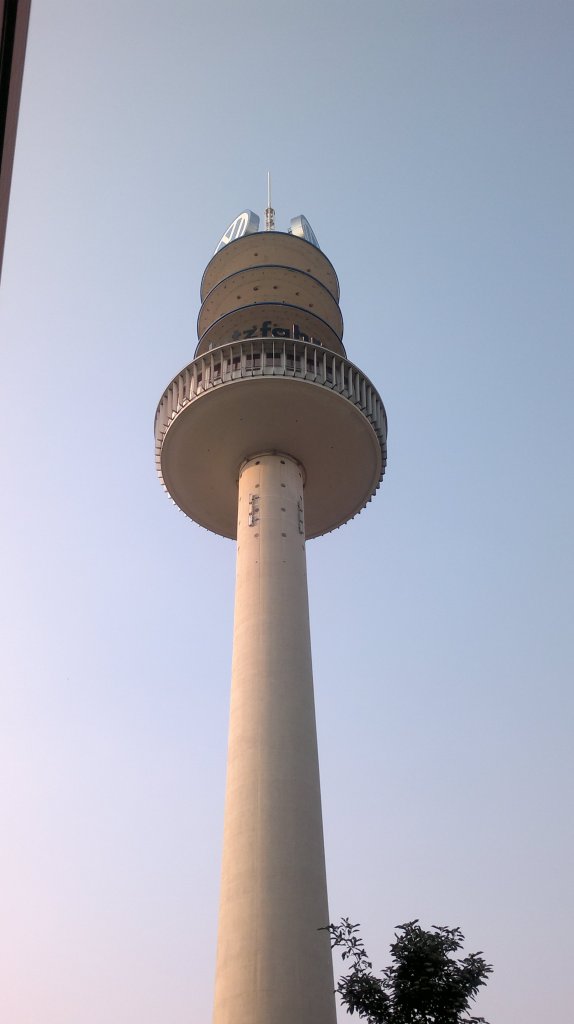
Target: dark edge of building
(14,16)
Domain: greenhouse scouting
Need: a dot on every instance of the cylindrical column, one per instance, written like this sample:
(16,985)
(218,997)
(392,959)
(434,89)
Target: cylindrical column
(273,964)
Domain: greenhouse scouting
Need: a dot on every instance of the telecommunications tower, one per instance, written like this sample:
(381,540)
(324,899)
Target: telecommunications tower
(271,436)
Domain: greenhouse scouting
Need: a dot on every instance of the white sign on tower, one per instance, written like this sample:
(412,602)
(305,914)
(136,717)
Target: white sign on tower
(302,229)
(247,223)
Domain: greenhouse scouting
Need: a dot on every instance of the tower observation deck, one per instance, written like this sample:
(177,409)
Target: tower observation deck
(271,436)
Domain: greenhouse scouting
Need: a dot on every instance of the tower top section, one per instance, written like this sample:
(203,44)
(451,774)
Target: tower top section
(270,374)
(266,282)
(247,223)
(269,248)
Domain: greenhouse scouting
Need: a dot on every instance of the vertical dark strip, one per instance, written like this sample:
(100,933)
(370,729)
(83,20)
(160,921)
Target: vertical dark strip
(6,60)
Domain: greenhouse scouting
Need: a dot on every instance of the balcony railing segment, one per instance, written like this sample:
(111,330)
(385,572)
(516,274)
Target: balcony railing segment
(271,357)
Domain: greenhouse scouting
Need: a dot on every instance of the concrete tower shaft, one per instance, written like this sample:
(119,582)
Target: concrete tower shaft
(273,963)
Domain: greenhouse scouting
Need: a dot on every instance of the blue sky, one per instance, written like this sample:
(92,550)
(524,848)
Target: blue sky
(430,146)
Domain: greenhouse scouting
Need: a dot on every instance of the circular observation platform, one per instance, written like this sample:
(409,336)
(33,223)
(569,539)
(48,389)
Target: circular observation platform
(271,394)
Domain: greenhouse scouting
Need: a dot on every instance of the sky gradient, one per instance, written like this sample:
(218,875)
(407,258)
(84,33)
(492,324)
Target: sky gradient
(431,147)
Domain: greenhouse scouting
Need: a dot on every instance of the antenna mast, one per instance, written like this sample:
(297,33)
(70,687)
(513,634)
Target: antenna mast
(269,212)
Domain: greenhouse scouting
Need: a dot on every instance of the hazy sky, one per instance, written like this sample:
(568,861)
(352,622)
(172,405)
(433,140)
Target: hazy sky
(430,144)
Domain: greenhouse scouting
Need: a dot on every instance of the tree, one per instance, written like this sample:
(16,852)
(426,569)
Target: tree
(425,984)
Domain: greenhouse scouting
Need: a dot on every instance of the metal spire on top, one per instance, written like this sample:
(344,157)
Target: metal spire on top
(269,212)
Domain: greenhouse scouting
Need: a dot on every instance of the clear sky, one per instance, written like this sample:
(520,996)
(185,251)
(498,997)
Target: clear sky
(430,144)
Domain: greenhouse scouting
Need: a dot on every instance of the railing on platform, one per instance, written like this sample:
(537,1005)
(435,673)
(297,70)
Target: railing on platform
(271,357)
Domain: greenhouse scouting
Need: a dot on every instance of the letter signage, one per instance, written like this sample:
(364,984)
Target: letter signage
(272,330)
